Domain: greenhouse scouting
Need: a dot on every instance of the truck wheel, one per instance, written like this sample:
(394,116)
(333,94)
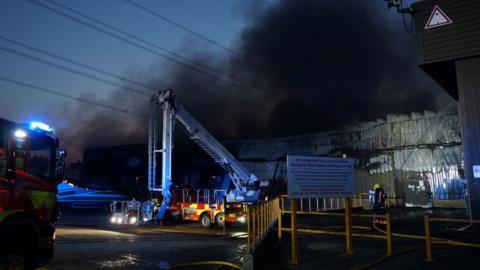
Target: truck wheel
(205,220)
(219,219)
(13,259)
(19,254)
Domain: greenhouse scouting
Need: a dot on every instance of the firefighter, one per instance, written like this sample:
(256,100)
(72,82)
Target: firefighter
(379,197)
(379,200)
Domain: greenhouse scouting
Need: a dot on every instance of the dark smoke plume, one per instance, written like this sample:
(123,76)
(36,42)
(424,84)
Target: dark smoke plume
(306,66)
(321,64)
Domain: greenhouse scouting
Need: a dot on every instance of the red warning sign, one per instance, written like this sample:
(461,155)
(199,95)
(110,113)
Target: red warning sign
(437,18)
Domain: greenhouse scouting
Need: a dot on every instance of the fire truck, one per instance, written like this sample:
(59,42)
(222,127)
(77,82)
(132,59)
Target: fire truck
(30,165)
(242,187)
(205,206)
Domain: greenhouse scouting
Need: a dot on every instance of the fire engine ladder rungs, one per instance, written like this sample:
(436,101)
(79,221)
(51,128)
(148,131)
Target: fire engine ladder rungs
(152,145)
(218,159)
(212,147)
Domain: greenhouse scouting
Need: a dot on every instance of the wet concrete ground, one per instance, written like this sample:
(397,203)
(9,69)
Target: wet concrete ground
(87,241)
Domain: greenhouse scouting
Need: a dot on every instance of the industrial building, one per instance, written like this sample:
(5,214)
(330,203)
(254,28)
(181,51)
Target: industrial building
(401,152)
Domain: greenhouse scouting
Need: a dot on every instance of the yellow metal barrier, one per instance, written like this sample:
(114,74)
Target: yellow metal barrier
(429,240)
(335,203)
(294,230)
(260,219)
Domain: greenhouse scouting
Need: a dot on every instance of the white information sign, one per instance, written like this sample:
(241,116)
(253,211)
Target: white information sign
(319,177)
(476,171)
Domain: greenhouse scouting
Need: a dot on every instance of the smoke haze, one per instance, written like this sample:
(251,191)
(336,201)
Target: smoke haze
(304,66)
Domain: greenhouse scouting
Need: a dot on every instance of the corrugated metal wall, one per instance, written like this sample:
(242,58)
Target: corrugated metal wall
(402,147)
(460,39)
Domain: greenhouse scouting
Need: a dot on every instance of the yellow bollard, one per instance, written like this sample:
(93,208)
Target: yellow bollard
(224,206)
(428,244)
(265,214)
(269,213)
(348,226)
(260,221)
(259,218)
(254,225)
(294,228)
(263,219)
(249,232)
(272,211)
(389,235)
(279,220)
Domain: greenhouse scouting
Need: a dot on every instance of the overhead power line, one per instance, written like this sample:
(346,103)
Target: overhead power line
(71,70)
(92,68)
(169,21)
(28,56)
(78,99)
(130,35)
(179,3)
(189,64)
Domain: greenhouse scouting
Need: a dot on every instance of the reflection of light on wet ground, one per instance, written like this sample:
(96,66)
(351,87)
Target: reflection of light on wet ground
(239,235)
(121,261)
(238,253)
(86,232)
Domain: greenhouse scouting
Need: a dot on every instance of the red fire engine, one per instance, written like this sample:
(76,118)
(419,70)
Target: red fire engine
(28,203)
(206,206)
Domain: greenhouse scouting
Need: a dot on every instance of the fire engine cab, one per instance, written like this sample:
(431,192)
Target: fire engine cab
(29,170)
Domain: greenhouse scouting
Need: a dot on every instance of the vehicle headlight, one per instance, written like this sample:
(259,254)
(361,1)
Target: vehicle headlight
(242,219)
(113,219)
(132,220)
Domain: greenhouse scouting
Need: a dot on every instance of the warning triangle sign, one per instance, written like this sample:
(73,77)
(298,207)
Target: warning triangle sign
(437,18)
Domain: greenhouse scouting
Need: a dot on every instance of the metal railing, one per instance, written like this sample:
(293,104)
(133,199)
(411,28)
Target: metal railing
(326,204)
(260,219)
(336,203)
(429,240)
(348,233)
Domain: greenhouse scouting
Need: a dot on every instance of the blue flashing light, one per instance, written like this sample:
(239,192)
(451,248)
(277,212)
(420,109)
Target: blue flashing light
(40,126)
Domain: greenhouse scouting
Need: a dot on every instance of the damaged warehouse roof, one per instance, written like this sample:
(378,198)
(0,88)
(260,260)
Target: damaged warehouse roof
(402,147)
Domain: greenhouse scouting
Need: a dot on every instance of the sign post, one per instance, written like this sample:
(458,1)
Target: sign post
(319,177)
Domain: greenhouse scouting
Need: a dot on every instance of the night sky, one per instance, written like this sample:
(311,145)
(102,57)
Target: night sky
(268,68)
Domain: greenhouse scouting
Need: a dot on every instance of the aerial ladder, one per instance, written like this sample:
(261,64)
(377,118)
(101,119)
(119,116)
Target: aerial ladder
(244,183)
